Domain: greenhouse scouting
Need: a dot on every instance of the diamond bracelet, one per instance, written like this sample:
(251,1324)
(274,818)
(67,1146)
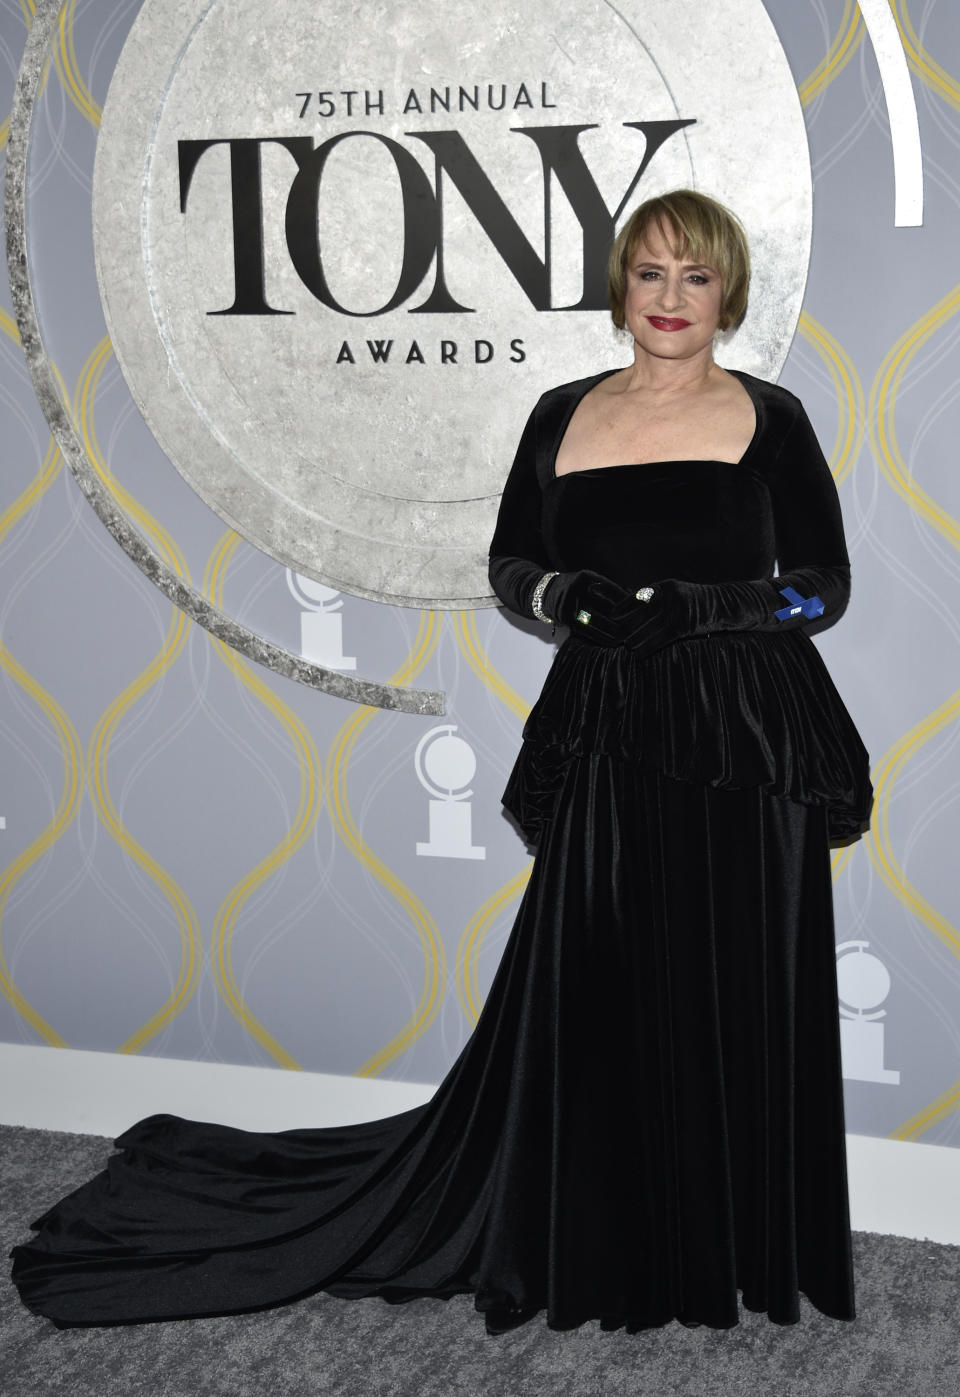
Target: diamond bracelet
(538,592)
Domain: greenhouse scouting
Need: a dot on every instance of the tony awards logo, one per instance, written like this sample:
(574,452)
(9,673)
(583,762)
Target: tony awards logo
(445,766)
(864,983)
(321,623)
(417,239)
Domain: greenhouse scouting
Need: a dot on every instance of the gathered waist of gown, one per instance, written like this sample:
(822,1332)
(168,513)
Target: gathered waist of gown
(736,709)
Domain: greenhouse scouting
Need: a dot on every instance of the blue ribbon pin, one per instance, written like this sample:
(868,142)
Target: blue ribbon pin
(799,606)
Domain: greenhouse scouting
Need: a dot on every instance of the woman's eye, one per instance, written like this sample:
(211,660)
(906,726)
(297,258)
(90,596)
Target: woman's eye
(699,279)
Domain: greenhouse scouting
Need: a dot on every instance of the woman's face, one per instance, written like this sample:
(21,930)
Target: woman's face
(672,307)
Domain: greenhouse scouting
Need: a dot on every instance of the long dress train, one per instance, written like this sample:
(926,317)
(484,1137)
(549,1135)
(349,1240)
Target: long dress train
(624,1137)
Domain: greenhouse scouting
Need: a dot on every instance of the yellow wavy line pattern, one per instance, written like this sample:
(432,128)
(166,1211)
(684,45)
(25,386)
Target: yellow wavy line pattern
(49,470)
(883,434)
(849,392)
(847,40)
(68,70)
(84,400)
(72,753)
(338,759)
(880,849)
(472,939)
(468,640)
(67,737)
(929,71)
(308,810)
(468,987)
(882,419)
(52,461)
(881,844)
(937,1110)
(98,755)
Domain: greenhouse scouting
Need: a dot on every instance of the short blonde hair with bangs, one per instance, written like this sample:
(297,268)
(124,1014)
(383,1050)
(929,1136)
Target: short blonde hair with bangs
(696,228)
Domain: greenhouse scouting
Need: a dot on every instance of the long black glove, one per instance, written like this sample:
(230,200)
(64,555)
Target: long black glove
(677,609)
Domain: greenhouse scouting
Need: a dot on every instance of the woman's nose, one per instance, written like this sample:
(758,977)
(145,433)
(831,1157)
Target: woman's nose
(671,293)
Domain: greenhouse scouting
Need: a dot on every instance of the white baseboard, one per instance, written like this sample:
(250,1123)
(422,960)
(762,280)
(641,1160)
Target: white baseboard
(103,1093)
(908,1190)
(904,1188)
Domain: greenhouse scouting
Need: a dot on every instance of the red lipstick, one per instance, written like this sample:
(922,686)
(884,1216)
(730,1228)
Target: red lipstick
(667,322)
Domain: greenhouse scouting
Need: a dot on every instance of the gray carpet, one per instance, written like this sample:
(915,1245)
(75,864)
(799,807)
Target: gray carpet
(906,1341)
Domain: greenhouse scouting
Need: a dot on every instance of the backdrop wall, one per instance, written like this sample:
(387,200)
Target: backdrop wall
(201,859)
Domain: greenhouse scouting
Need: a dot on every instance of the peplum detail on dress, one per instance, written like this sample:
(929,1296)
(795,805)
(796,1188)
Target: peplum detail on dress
(739,710)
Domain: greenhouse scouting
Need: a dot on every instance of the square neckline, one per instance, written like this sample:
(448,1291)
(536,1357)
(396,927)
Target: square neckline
(593,382)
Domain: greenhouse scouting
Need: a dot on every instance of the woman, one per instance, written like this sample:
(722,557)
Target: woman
(648,1116)
(684,769)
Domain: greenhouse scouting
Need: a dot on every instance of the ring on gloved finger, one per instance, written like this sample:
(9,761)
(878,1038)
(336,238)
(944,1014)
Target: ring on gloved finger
(583,617)
(645,594)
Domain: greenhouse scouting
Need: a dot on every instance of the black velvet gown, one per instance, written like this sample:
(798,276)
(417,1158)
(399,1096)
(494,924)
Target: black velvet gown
(648,1117)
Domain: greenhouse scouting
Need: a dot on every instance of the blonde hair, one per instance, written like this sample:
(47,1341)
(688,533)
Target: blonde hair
(694,227)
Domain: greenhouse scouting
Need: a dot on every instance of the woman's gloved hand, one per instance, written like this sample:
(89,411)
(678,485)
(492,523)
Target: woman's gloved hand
(655,616)
(594,607)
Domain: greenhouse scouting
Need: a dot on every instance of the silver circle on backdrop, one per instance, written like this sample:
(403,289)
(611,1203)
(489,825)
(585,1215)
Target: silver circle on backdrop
(339,261)
(55,405)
